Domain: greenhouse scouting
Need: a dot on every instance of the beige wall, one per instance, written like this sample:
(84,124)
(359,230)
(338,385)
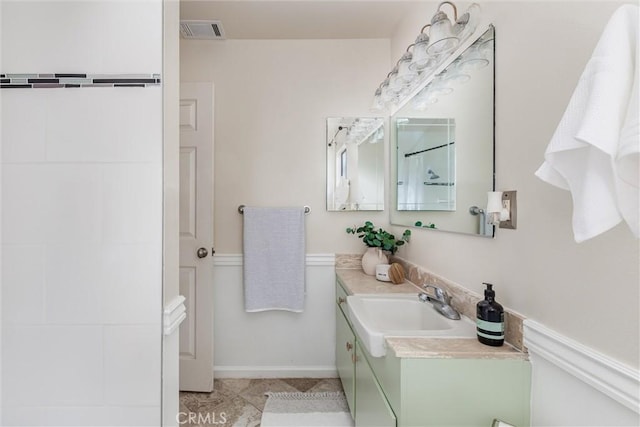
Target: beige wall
(272,98)
(272,101)
(271,104)
(586,291)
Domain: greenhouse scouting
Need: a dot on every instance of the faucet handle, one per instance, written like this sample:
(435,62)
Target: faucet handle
(439,293)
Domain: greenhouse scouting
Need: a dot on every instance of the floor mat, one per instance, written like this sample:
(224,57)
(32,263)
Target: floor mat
(326,409)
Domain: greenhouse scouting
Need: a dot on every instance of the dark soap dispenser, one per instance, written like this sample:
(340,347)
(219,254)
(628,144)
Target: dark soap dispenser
(490,319)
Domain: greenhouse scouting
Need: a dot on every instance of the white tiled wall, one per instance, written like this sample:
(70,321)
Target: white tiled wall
(23,285)
(131,377)
(97,36)
(82,258)
(53,366)
(81,193)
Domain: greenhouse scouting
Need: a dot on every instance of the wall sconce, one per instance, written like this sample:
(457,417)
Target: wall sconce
(436,42)
(501,209)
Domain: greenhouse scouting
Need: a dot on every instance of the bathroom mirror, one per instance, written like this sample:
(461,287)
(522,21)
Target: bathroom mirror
(355,164)
(442,146)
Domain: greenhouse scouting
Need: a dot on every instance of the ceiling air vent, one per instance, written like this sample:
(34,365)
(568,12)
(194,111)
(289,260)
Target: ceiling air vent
(203,30)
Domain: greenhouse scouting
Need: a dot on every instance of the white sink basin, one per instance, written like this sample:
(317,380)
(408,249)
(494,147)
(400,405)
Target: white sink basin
(375,317)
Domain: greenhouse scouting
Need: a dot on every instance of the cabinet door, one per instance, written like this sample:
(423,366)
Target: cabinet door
(372,408)
(345,351)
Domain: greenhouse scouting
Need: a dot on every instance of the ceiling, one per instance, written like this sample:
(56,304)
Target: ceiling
(301,19)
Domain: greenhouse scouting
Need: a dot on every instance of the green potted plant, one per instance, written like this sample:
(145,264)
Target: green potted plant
(377,240)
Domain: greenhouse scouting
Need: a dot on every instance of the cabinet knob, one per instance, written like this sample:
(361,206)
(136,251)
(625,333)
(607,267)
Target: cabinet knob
(349,346)
(341,300)
(354,358)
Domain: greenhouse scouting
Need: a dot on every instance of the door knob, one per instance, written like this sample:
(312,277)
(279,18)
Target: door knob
(202,252)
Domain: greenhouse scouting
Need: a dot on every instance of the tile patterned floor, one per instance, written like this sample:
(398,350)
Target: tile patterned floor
(239,402)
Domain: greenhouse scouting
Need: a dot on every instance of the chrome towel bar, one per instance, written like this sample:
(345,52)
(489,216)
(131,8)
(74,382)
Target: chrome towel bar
(307,209)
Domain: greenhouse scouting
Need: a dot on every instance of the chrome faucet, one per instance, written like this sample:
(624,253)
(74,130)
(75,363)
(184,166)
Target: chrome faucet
(440,300)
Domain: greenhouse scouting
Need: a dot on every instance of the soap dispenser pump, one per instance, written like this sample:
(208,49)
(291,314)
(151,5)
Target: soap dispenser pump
(490,319)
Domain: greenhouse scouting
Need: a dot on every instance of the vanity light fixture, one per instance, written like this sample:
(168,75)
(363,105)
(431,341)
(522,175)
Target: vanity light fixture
(442,37)
(405,72)
(420,58)
(433,45)
(377,104)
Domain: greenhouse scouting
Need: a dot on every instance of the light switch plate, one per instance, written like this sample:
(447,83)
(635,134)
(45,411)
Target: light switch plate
(510,197)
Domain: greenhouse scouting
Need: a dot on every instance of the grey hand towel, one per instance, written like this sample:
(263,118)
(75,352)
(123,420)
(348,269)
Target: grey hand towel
(274,259)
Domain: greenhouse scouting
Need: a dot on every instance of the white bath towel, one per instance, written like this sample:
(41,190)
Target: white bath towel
(628,156)
(595,149)
(274,259)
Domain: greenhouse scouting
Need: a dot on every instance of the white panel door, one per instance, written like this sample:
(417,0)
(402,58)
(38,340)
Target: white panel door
(196,235)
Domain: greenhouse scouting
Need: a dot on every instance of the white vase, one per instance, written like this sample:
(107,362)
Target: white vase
(371,258)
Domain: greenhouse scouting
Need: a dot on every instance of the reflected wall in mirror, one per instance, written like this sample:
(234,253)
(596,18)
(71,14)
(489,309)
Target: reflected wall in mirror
(443,146)
(426,164)
(355,164)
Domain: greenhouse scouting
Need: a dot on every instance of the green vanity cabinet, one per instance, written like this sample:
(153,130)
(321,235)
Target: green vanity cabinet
(368,405)
(345,350)
(372,408)
(413,391)
(441,392)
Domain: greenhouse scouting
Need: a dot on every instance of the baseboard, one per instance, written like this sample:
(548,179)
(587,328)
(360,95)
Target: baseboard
(620,382)
(275,372)
(230,260)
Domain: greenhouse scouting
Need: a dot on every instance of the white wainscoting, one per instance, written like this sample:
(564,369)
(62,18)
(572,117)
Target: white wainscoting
(274,344)
(573,385)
